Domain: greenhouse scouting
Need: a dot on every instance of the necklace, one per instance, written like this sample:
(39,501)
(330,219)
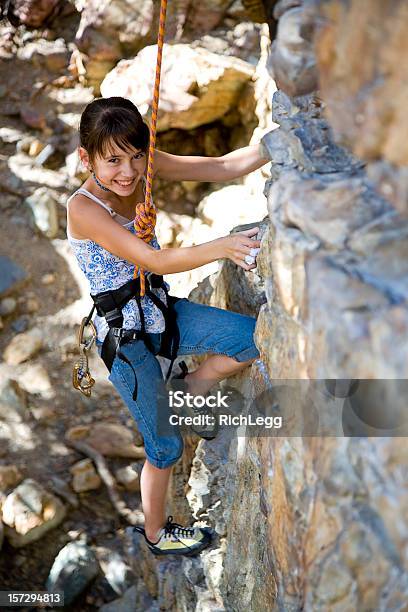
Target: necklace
(99,183)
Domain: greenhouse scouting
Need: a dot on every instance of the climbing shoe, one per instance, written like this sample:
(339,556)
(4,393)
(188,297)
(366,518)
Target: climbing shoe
(177,540)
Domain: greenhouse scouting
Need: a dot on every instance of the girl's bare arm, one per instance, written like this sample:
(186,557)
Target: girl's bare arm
(209,169)
(91,221)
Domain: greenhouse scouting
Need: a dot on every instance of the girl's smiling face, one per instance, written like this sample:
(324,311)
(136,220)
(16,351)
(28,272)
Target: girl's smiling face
(117,169)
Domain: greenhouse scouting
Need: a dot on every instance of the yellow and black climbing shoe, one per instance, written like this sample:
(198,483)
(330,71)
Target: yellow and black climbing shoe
(177,540)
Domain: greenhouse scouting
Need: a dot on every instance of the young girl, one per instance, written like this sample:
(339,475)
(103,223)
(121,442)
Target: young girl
(114,143)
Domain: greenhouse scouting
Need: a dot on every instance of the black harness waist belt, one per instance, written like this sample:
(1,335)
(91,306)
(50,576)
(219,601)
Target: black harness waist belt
(109,304)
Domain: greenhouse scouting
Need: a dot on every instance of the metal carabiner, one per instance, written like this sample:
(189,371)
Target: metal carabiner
(87,343)
(81,376)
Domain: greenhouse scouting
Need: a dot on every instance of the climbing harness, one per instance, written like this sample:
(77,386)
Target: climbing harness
(109,304)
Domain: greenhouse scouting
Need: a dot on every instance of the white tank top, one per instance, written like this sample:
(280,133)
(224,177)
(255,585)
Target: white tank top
(105,271)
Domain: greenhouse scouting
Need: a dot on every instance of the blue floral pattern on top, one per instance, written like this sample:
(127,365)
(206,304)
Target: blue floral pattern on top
(106,271)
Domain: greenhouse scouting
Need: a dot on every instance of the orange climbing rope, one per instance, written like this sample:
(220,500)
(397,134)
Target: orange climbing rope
(145,214)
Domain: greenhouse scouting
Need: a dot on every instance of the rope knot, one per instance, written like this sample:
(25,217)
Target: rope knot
(144,224)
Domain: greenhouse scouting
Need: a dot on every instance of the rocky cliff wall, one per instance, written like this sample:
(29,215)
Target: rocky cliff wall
(313,517)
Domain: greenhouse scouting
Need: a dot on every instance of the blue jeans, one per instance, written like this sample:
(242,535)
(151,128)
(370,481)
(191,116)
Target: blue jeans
(203,329)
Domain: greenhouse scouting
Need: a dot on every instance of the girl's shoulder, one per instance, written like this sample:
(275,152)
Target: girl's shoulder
(78,206)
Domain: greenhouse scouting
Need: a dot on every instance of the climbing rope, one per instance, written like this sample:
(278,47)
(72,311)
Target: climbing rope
(144,223)
(145,214)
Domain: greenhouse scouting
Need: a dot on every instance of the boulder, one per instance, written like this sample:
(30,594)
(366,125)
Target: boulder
(33,118)
(84,476)
(51,55)
(44,209)
(241,41)
(23,347)
(116,571)
(128,477)
(109,439)
(7,306)
(197,86)
(15,433)
(34,379)
(73,569)
(29,512)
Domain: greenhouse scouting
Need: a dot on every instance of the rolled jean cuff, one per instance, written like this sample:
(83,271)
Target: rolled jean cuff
(163,463)
(247,354)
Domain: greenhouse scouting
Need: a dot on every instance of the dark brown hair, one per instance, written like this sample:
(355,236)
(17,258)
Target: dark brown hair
(112,120)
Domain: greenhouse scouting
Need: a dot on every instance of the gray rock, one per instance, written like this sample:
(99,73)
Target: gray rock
(292,60)
(305,141)
(330,206)
(7,306)
(73,569)
(15,432)
(21,324)
(44,209)
(117,572)
(13,402)
(12,277)
(127,603)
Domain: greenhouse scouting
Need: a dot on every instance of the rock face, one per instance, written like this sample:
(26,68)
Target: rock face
(292,60)
(336,280)
(312,516)
(365,98)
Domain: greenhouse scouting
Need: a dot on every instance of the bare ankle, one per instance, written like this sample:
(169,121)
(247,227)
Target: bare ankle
(153,534)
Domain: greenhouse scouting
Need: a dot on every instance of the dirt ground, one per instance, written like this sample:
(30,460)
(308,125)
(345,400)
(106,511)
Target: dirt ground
(27,568)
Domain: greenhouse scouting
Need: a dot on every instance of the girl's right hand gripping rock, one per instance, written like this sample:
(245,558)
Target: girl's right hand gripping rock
(241,248)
